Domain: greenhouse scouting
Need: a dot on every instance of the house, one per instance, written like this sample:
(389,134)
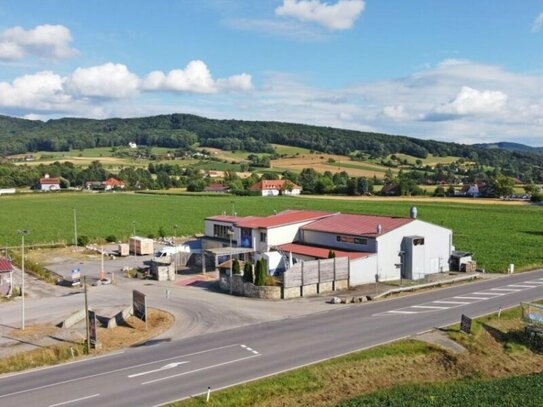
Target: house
(49,184)
(276,187)
(378,247)
(131,144)
(471,190)
(113,183)
(217,188)
(6,276)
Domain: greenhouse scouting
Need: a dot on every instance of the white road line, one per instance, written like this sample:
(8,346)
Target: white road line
(74,400)
(471,298)
(491,294)
(199,370)
(451,302)
(521,286)
(514,290)
(243,346)
(113,371)
(249,349)
(400,312)
(167,367)
(532,282)
(255,352)
(429,307)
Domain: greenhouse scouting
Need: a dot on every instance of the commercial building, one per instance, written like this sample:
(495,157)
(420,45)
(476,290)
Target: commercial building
(378,247)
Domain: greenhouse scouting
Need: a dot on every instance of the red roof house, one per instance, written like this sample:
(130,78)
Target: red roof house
(6,272)
(276,187)
(49,184)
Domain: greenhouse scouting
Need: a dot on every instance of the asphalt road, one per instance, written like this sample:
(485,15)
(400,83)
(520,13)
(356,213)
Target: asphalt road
(162,372)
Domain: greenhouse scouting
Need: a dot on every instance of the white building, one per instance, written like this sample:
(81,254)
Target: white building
(276,187)
(49,184)
(378,247)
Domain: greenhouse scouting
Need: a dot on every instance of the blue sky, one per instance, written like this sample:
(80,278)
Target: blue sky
(450,70)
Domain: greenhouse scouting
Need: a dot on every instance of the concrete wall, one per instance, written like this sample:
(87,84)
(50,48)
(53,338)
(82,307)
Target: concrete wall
(240,287)
(437,240)
(363,270)
(330,240)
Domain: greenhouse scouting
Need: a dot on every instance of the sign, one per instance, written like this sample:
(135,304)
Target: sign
(92,329)
(139,305)
(76,277)
(465,324)
(532,314)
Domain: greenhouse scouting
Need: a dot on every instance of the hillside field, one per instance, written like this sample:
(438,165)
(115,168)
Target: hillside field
(496,234)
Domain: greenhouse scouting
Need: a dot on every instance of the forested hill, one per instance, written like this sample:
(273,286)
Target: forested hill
(183,130)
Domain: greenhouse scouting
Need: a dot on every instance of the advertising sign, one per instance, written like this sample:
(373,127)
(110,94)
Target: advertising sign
(465,324)
(92,328)
(76,277)
(138,304)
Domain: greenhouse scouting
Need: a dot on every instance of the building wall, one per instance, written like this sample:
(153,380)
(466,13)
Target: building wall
(284,234)
(363,270)
(437,240)
(208,227)
(330,240)
(49,187)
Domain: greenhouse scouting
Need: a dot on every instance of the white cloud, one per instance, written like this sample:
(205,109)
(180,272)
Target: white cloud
(395,112)
(104,81)
(44,41)
(196,78)
(40,91)
(338,16)
(538,23)
(473,101)
(292,30)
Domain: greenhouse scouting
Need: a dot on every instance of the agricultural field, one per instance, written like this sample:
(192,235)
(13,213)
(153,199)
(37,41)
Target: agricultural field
(431,160)
(497,234)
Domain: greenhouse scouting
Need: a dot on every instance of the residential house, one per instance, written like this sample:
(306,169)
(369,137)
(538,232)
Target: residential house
(6,276)
(276,187)
(217,188)
(49,184)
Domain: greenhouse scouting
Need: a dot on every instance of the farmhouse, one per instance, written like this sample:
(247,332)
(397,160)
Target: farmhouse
(217,188)
(377,247)
(6,276)
(276,187)
(49,184)
(113,183)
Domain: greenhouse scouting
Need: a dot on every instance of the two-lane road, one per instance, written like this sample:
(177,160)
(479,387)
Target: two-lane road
(152,375)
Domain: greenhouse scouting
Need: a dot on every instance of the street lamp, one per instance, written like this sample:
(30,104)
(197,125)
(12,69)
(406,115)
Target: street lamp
(23,233)
(230,234)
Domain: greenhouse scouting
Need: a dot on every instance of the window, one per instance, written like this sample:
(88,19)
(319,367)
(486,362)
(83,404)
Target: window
(351,239)
(418,242)
(263,237)
(221,231)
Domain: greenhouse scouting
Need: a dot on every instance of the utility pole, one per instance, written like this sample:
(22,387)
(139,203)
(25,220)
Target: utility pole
(75,228)
(230,233)
(87,327)
(102,275)
(23,233)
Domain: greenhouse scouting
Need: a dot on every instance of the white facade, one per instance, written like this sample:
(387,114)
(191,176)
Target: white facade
(276,192)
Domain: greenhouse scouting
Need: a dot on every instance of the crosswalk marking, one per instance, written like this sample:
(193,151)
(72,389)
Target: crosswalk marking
(516,290)
(451,302)
(495,294)
(521,286)
(401,312)
(428,307)
(471,298)
(533,282)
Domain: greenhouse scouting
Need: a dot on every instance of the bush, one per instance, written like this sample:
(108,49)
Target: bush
(235,267)
(161,232)
(261,272)
(331,254)
(248,275)
(83,240)
(111,238)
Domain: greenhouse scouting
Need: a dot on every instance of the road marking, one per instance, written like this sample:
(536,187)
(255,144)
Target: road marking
(255,352)
(491,294)
(533,282)
(199,370)
(114,371)
(471,298)
(515,290)
(521,286)
(166,367)
(249,349)
(397,311)
(429,307)
(74,400)
(243,346)
(451,302)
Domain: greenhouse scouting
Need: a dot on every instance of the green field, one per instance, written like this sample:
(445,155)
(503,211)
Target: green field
(361,165)
(497,234)
(289,150)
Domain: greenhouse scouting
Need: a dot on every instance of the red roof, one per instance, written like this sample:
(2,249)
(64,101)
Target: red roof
(113,182)
(49,181)
(350,224)
(282,218)
(272,184)
(5,265)
(320,252)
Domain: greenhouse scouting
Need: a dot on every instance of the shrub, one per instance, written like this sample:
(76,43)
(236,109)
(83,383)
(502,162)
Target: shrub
(261,272)
(331,254)
(161,232)
(83,240)
(235,267)
(111,238)
(248,275)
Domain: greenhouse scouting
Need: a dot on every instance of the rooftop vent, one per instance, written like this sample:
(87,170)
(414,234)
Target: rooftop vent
(413,212)
(379,229)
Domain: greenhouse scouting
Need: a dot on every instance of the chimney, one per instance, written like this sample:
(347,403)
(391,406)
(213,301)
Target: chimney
(46,176)
(413,212)
(379,229)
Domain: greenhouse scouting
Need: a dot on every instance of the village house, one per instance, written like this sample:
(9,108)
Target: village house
(49,184)
(6,276)
(276,187)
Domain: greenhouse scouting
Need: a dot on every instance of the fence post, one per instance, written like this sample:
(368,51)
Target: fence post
(302,286)
(319,276)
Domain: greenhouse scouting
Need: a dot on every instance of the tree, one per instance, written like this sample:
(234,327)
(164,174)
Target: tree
(261,272)
(248,274)
(439,191)
(502,185)
(235,267)
(331,254)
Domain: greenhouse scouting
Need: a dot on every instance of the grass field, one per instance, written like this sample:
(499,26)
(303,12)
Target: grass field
(497,234)
(501,367)
(430,160)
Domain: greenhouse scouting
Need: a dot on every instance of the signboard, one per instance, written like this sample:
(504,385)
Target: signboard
(76,277)
(139,305)
(92,329)
(532,314)
(465,324)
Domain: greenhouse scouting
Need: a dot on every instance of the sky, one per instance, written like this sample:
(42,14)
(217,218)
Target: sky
(462,71)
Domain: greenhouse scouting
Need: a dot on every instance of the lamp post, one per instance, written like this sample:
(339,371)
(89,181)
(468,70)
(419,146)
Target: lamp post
(230,234)
(75,228)
(23,233)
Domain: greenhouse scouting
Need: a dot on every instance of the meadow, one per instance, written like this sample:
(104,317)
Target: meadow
(496,234)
